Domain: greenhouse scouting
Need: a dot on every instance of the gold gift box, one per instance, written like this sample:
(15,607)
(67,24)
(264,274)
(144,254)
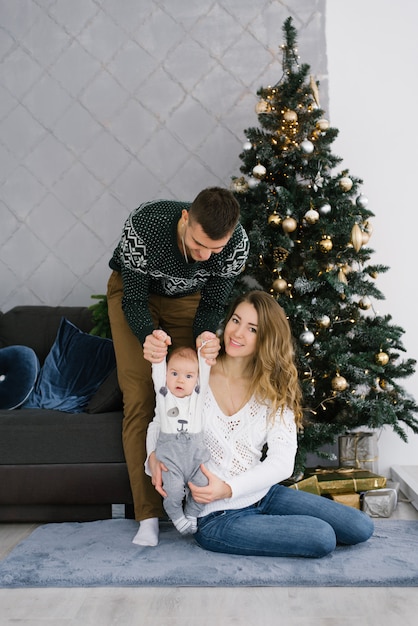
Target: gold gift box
(345,480)
(349,499)
(307,484)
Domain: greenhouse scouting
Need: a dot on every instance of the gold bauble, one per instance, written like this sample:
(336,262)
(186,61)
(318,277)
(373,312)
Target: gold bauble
(382,358)
(289,224)
(339,383)
(364,303)
(356,237)
(345,183)
(290,116)
(280,285)
(324,321)
(325,244)
(259,171)
(274,220)
(322,124)
(262,107)
(311,216)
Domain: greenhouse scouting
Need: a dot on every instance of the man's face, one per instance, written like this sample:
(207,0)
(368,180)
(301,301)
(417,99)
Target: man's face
(199,246)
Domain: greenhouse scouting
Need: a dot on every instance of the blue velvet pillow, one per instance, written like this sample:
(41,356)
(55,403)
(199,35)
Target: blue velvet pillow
(73,370)
(19,368)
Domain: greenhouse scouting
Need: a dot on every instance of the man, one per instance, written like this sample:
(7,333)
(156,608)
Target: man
(174,268)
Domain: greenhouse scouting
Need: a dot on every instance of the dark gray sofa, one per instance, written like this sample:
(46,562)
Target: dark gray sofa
(57,466)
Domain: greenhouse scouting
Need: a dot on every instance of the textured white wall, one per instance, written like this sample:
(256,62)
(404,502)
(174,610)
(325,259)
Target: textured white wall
(107,103)
(372,58)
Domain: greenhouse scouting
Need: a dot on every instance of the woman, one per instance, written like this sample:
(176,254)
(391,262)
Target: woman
(254,401)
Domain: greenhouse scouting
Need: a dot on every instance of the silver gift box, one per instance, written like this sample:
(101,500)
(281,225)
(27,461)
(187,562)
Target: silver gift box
(380,502)
(358,450)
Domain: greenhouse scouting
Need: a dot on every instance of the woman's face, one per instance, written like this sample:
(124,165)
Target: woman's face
(240,335)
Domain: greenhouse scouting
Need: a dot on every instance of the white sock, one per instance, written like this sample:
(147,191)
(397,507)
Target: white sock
(147,534)
(193,524)
(183,525)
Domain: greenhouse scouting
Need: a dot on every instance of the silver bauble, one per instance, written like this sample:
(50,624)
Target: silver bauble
(307,338)
(325,208)
(311,216)
(259,171)
(253,182)
(362,201)
(307,146)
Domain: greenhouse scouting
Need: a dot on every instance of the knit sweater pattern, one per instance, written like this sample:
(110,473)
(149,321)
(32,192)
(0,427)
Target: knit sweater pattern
(150,262)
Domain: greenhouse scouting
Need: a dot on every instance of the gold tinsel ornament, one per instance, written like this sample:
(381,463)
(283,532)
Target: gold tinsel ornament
(239,185)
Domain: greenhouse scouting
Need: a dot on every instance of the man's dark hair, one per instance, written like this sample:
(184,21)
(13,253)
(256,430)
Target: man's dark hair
(217,212)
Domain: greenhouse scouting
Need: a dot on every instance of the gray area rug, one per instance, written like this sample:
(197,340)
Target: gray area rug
(100,554)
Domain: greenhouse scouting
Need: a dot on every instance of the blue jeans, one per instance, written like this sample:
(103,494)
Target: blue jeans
(286,522)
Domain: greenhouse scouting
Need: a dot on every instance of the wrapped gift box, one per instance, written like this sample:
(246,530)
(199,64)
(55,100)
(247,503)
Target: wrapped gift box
(380,502)
(345,480)
(349,499)
(307,484)
(358,450)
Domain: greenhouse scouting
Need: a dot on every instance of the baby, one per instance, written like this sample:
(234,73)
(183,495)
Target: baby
(176,431)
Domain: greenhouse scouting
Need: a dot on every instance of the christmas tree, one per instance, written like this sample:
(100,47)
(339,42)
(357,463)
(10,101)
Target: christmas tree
(309,229)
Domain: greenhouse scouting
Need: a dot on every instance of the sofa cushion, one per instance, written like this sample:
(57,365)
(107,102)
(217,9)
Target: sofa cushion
(19,368)
(73,370)
(108,397)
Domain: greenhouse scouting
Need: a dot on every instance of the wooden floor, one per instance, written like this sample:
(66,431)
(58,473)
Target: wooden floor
(241,606)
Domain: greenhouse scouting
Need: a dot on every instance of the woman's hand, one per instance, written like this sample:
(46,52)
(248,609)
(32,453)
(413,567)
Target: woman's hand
(210,346)
(156,346)
(157,468)
(216,489)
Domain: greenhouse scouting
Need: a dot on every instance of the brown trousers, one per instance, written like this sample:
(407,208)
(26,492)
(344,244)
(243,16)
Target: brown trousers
(175,316)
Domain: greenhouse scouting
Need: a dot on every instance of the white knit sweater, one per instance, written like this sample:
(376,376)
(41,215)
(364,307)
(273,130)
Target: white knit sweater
(236,443)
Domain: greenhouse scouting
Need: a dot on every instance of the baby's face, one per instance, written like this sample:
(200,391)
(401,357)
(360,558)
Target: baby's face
(182,376)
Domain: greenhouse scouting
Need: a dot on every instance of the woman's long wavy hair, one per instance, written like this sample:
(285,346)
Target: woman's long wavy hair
(273,373)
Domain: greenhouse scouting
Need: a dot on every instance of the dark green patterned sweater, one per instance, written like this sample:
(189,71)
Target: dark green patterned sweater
(150,262)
